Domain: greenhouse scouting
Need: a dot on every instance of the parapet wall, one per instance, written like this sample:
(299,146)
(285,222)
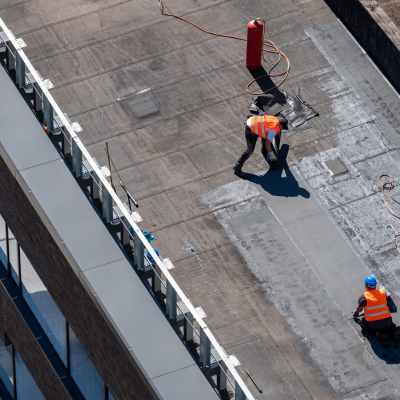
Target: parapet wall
(371,35)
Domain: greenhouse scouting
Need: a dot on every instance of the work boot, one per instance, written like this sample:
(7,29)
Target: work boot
(238,171)
(397,334)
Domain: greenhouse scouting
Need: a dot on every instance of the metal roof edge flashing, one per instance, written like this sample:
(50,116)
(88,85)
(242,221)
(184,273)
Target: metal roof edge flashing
(118,334)
(47,222)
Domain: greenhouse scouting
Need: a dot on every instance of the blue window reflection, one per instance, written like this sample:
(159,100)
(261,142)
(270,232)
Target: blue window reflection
(26,386)
(13,255)
(110,395)
(3,243)
(83,371)
(6,367)
(43,306)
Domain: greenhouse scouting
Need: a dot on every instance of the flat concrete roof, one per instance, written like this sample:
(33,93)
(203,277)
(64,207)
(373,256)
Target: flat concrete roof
(131,309)
(277,259)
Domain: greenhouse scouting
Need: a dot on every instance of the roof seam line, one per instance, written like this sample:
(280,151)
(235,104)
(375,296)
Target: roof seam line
(171,372)
(102,265)
(38,165)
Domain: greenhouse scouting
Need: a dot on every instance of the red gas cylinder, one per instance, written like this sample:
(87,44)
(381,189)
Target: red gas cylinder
(255,30)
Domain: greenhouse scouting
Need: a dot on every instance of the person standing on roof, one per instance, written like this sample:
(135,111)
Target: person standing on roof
(377,317)
(266,127)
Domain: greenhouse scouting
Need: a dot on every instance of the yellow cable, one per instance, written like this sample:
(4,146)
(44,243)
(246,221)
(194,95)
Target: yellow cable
(266,42)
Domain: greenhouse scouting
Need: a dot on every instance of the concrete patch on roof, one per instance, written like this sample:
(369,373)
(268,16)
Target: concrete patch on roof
(142,107)
(378,391)
(336,166)
(229,194)
(311,253)
(289,281)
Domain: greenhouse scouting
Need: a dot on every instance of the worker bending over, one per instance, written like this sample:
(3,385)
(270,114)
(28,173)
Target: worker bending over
(377,317)
(266,127)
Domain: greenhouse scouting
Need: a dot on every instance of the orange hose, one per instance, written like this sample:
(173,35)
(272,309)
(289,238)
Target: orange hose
(388,185)
(266,42)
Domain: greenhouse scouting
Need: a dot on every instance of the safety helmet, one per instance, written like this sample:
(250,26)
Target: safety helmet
(370,281)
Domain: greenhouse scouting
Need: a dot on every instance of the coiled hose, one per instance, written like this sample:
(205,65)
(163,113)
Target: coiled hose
(389,185)
(268,47)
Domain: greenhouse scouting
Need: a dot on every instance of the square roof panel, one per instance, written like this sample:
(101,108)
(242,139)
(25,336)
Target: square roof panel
(139,319)
(187,383)
(71,214)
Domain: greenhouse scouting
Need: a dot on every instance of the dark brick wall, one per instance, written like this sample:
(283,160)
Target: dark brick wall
(113,364)
(29,349)
(371,36)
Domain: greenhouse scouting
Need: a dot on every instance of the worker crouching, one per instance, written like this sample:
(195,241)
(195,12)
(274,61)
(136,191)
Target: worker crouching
(377,318)
(266,127)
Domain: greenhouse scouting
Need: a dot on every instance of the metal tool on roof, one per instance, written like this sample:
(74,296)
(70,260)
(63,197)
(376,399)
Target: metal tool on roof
(255,41)
(130,198)
(109,166)
(252,379)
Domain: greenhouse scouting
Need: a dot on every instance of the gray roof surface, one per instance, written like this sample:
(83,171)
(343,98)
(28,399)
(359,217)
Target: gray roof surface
(276,260)
(139,321)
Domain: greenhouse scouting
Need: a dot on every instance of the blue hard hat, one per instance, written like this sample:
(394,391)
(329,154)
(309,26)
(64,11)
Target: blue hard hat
(148,255)
(370,280)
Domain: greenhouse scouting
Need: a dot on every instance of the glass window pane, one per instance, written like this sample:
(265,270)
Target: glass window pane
(43,306)
(26,386)
(13,255)
(3,243)
(110,395)
(6,367)
(83,371)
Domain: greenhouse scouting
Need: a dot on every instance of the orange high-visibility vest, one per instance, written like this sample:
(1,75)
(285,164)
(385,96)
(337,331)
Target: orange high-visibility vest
(260,124)
(376,307)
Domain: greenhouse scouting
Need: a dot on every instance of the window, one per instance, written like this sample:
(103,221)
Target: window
(26,386)
(13,255)
(83,370)
(3,243)
(53,324)
(6,367)
(43,306)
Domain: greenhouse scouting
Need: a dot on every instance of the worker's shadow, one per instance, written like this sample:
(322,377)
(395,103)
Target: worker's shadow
(279,180)
(388,351)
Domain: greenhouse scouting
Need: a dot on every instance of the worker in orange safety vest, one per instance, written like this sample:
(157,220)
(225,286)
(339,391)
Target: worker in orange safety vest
(266,127)
(377,317)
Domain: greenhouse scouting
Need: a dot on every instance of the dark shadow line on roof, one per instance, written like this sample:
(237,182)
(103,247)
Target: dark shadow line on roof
(68,19)
(365,386)
(73,81)
(15,5)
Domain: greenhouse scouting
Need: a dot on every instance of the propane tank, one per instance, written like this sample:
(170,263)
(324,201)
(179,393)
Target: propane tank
(255,31)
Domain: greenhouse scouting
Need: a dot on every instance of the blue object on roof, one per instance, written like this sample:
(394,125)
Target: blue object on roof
(150,238)
(148,255)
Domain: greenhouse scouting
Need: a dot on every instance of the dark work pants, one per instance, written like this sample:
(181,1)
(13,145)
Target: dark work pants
(385,329)
(251,140)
